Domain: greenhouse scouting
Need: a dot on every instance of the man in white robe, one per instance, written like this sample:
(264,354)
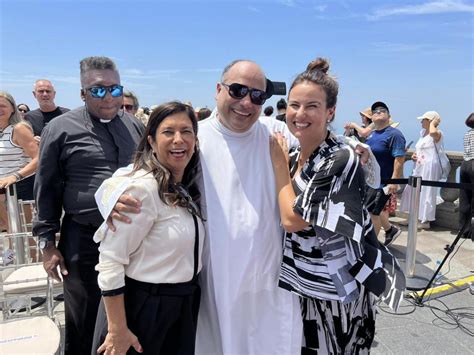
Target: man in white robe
(243,311)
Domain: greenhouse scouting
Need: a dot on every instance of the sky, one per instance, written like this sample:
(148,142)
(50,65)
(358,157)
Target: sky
(414,55)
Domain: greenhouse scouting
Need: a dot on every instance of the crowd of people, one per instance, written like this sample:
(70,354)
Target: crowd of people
(184,230)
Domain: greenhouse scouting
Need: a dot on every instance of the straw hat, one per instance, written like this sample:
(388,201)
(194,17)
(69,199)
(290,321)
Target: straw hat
(367,113)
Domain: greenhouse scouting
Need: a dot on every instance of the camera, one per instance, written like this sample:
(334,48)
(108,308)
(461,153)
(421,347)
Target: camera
(275,88)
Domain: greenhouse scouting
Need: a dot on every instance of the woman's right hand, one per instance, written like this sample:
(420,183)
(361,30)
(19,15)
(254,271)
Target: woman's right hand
(279,151)
(118,343)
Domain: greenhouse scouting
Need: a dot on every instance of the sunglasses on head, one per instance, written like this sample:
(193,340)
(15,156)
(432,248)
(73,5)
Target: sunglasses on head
(127,107)
(99,92)
(239,91)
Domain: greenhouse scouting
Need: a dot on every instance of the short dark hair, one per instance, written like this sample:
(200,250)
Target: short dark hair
(204,113)
(470,120)
(96,63)
(268,111)
(281,104)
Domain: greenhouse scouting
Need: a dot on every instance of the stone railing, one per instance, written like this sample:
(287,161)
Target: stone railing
(447,211)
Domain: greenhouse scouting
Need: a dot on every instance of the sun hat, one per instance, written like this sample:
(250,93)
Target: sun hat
(429,115)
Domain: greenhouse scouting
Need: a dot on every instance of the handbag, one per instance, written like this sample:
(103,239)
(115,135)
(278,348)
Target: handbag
(444,163)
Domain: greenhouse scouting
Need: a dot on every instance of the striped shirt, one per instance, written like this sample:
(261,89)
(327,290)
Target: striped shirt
(469,145)
(12,156)
(338,251)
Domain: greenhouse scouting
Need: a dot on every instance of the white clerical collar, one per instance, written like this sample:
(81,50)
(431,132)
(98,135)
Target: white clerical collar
(104,121)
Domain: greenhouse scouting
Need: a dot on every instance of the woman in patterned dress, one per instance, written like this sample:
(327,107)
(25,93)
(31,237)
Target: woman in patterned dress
(331,256)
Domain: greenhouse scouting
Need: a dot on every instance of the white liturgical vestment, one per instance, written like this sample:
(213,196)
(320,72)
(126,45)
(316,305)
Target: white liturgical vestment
(243,311)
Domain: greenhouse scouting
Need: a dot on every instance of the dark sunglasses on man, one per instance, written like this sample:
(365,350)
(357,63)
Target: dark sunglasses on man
(24,110)
(239,91)
(128,107)
(99,92)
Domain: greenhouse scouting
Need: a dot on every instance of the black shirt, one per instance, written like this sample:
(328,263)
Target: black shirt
(77,153)
(39,119)
(281,117)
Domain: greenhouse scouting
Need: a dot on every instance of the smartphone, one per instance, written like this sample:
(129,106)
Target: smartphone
(408,145)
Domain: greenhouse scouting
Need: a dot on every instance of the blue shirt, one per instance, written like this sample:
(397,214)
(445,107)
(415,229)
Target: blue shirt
(387,144)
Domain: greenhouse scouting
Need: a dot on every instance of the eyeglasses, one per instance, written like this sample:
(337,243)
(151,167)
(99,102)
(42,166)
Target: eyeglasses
(239,91)
(379,110)
(127,107)
(99,92)
(24,110)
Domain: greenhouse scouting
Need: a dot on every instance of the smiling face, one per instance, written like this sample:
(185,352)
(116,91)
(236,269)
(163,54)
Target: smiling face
(107,107)
(174,143)
(307,115)
(240,115)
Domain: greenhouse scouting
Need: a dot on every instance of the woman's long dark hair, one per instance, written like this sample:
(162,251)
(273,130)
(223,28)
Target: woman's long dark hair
(146,159)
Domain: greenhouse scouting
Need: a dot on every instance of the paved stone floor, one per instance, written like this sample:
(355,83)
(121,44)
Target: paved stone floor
(416,330)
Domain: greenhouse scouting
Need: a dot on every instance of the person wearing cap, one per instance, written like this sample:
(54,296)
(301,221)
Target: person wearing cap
(388,145)
(362,132)
(428,166)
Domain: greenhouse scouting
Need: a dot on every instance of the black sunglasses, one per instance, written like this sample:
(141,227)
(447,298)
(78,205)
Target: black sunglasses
(24,110)
(128,107)
(99,92)
(239,91)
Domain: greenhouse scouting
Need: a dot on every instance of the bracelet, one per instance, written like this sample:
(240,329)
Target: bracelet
(18,176)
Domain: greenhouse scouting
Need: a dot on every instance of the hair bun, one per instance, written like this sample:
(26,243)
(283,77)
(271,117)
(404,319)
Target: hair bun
(320,64)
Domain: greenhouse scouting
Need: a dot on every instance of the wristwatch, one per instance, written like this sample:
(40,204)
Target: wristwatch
(43,243)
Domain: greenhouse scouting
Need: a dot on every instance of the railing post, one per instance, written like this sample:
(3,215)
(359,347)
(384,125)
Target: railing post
(415,183)
(14,223)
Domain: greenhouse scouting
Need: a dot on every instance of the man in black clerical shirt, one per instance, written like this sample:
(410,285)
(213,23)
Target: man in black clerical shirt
(77,152)
(44,93)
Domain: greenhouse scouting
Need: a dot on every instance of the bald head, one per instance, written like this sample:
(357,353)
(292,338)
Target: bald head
(44,93)
(239,115)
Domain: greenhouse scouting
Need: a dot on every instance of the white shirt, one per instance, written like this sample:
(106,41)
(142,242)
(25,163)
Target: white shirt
(157,247)
(243,311)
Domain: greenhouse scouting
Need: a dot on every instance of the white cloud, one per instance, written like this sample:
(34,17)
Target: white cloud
(289,3)
(321,8)
(253,9)
(407,48)
(434,7)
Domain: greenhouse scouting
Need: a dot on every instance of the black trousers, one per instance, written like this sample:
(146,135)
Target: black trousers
(162,316)
(466,198)
(81,291)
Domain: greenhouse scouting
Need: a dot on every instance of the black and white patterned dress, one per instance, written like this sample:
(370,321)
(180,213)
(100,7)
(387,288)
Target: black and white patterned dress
(336,264)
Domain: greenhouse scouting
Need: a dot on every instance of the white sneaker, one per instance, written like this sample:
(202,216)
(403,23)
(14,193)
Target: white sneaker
(424,225)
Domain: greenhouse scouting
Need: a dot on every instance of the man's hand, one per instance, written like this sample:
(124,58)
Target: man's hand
(125,203)
(52,257)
